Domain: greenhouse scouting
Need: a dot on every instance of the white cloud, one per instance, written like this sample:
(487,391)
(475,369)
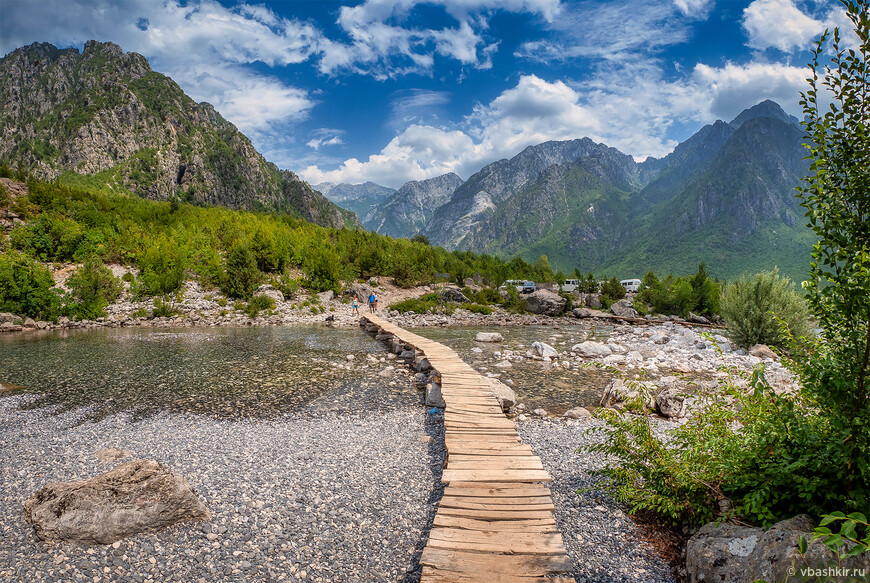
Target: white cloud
(779,24)
(730,89)
(693,7)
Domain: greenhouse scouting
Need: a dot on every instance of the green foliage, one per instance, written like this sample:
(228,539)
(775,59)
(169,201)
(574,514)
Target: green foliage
(241,275)
(514,303)
(420,238)
(258,303)
(852,539)
(589,285)
(612,290)
(322,267)
(486,296)
(162,267)
(163,309)
(49,237)
(755,308)
(426,303)
(286,284)
(92,287)
(27,288)
(478,309)
(680,295)
(372,261)
(5,198)
(836,195)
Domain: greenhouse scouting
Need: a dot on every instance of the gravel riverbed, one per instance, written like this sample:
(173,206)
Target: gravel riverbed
(331,497)
(605,545)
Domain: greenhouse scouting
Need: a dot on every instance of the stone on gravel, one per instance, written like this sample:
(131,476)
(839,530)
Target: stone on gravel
(268,291)
(763,351)
(581,313)
(671,404)
(546,303)
(592,349)
(433,396)
(543,350)
(451,294)
(139,496)
(111,454)
(728,553)
(624,308)
(540,413)
(577,413)
(488,337)
(503,364)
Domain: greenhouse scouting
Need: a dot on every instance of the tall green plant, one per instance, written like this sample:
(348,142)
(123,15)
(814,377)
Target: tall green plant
(241,276)
(836,195)
(755,308)
(92,287)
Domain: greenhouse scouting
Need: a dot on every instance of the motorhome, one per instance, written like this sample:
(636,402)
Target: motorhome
(570,285)
(631,285)
(517,284)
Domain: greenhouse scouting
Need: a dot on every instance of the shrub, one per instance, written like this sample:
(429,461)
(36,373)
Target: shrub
(487,296)
(478,309)
(49,237)
(241,275)
(404,274)
(286,284)
(163,309)
(423,304)
(92,286)
(514,303)
(613,290)
(258,303)
(27,288)
(161,268)
(754,307)
(322,267)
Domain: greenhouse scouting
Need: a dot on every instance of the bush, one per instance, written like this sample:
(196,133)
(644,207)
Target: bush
(514,303)
(27,288)
(258,303)
(613,290)
(241,275)
(162,267)
(478,309)
(286,284)
(755,307)
(163,309)
(423,304)
(322,267)
(92,286)
(487,296)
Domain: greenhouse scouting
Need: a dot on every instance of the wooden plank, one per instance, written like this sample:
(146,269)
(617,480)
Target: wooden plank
(499,463)
(498,507)
(432,575)
(537,543)
(496,514)
(517,565)
(449,475)
(456,501)
(530,525)
(499,491)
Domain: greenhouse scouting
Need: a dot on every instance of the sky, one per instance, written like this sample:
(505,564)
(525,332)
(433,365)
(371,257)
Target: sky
(395,90)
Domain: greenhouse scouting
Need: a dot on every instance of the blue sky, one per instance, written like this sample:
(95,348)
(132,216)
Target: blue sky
(398,90)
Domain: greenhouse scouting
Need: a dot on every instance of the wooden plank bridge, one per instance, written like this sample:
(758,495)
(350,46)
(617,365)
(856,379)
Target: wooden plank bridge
(495,521)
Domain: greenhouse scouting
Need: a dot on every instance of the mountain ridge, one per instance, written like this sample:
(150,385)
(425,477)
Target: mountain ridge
(103,115)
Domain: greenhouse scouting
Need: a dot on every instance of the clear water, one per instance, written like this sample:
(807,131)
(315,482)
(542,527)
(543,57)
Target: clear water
(222,372)
(537,384)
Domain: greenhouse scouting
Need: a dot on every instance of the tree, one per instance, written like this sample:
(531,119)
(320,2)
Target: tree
(93,286)
(836,195)
(241,276)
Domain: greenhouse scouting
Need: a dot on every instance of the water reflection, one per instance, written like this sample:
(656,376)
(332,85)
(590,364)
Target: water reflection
(222,372)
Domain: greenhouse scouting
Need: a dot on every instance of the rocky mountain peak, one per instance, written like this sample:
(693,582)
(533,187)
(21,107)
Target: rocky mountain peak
(766,108)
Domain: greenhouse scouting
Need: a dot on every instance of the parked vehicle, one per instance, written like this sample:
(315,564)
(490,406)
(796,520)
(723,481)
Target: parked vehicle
(570,285)
(517,284)
(528,287)
(631,285)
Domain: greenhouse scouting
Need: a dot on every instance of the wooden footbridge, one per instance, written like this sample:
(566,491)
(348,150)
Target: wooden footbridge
(495,522)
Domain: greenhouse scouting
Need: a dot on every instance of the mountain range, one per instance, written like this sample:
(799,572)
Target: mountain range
(102,117)
(724,197)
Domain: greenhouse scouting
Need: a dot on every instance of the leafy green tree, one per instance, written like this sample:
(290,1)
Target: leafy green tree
(27,288)
(420,238)
(613,290)
(162,267)
(836,194)
(241,275)
(92,287)
(705,293)
(322,267)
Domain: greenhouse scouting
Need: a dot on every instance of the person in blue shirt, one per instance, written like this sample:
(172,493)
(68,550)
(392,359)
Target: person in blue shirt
(355,306)
(372,300)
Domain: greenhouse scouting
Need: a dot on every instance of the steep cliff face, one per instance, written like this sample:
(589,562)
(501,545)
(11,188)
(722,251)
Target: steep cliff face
(409,208)
(105,114)
(481,194)
(725,197)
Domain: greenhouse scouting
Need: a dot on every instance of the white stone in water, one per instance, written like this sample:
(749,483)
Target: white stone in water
(503,364)
(349,357)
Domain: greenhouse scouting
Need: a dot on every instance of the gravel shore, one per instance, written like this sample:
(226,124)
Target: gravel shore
(606,545)
(345,497)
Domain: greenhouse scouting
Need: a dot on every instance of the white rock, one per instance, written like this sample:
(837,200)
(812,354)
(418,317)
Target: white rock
(488,337)
(577,413)
(503,364)
(592,349)
(543,350)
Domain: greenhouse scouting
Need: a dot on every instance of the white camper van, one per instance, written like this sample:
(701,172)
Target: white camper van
(631,285)
(570,285)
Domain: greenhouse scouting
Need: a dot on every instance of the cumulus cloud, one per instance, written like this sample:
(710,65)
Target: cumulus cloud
(693,7)
(325,137)
(779,24)
(727,88)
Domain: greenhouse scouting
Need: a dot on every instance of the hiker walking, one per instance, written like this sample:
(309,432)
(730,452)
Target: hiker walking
(355,306)
(372,300)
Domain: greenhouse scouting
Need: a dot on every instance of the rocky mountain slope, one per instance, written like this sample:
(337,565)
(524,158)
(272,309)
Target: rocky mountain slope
(357,198)
(409,208)
(103,118)
(725,197)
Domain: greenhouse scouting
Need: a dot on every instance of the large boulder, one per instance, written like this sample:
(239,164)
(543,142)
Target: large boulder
(581,313)
(763,351)
(592,301)
(139,496)
(8,317)
(268,291)
(362,291)
(452,294)
(728,553)
(546,303)
(488,337)
(624,308)
(592,349)
(543,350)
